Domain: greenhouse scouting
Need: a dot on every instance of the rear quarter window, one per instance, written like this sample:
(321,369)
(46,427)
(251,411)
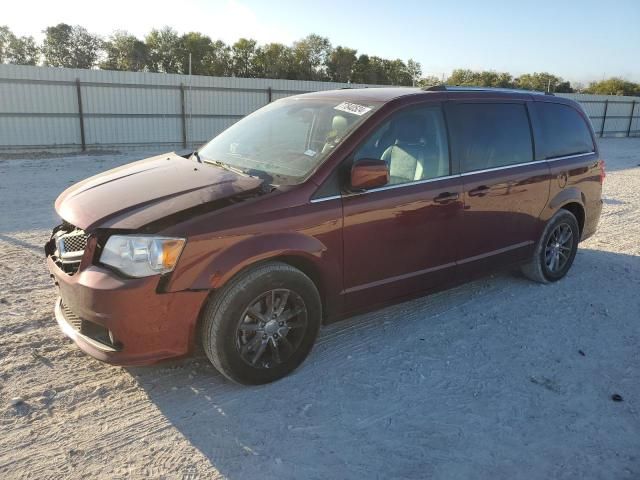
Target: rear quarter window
(489,135)
(559,131)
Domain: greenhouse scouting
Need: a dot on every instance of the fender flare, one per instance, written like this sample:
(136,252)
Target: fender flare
(247,252)
(562,198)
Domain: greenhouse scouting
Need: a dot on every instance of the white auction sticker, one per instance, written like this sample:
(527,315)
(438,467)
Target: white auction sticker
(352,108)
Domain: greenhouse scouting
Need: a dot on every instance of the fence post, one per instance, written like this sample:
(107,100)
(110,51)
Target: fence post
(183,116)
(633,108)
(269,94)
(81,115)
(604,117)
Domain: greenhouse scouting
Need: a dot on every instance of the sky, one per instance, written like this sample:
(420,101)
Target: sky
(580,41)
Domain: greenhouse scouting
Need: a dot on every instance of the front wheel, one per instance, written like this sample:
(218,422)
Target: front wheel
(555,250)
(262,324)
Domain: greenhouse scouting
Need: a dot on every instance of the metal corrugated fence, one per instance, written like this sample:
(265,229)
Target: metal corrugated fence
(48,108)
(610,114)
(59,108)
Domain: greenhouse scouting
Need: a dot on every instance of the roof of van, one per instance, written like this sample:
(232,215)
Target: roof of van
(385,94)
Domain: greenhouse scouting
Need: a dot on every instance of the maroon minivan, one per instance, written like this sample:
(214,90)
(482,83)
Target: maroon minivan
(313,208)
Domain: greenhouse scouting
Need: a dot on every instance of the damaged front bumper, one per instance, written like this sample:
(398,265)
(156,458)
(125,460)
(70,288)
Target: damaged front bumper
(124,321)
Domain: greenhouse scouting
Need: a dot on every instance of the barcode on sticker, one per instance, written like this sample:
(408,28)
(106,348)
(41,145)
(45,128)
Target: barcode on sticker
(352,108)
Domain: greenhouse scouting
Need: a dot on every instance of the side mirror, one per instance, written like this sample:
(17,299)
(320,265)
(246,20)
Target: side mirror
(369,173)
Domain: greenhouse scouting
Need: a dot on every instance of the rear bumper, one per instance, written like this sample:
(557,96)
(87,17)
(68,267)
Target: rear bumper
(592,219)
(147,326)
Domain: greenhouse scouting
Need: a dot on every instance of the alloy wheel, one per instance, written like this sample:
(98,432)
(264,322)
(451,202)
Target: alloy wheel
(271,328)
(558,249)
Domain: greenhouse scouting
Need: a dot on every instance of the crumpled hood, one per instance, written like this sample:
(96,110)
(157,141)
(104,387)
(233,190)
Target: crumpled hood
(139,193)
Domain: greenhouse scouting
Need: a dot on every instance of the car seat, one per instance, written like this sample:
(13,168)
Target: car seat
(406,156)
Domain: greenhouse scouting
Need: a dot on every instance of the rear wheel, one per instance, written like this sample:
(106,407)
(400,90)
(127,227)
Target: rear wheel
(555,250)
(262,325)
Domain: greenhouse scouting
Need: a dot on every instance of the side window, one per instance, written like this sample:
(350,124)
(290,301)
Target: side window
(413,142)
(560,131)
(489,135)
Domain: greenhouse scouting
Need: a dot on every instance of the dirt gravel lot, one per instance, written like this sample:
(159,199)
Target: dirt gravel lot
(500,378)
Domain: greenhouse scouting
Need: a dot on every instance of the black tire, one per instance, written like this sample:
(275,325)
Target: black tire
(538,269)
(227,314)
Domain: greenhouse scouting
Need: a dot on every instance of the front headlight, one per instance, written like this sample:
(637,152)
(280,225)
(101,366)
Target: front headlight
(142,256)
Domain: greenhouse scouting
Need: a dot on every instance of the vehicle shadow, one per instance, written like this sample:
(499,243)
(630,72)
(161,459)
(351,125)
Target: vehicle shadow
(499,377)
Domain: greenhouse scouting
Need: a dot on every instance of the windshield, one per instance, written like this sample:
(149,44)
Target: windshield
(286,140)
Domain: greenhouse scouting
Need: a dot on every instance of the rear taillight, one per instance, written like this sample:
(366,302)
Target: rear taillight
(603,173)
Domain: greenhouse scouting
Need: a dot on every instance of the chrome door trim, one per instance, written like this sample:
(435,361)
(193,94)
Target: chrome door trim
(494,252)
(325,199)
(448,177)
(505,167)
(400,185)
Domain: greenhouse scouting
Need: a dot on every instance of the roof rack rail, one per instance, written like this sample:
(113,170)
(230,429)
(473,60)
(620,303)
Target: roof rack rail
(435,88)
(457,88)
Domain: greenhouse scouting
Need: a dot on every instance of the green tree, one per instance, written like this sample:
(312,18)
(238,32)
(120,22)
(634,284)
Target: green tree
(17,50)
(6,36)
(311,55)
(165,51)
(564,87)
(415,71)
(371,70)
(275,60)
(359,73)
(244,53)
(220,59)
(397,72)
(70,46)
(541,82)
(484,78)
(23,51)
(463,77)
(614,86)
(340,64)
(125,52)
(429,81)
(200,47)
(496,79)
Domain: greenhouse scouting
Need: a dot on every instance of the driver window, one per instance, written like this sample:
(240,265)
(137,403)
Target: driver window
(413,143)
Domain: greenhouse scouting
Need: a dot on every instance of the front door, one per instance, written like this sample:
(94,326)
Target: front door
(399,239)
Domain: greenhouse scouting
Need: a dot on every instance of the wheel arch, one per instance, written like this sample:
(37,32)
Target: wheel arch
(296,259)
(578,211)
(570,199)
(306,253)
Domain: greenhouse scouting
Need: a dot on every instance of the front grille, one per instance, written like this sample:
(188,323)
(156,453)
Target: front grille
(75,241)
(66,247)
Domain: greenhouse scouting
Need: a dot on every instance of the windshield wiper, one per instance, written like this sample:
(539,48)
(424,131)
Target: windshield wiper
(226,166)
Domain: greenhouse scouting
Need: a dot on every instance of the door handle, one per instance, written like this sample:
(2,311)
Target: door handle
(480,191)
(446,197)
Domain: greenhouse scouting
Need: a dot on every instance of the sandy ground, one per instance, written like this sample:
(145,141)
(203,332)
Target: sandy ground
(501,378)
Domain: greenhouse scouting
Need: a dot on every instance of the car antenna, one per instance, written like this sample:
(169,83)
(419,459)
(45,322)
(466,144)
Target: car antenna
(197,155)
